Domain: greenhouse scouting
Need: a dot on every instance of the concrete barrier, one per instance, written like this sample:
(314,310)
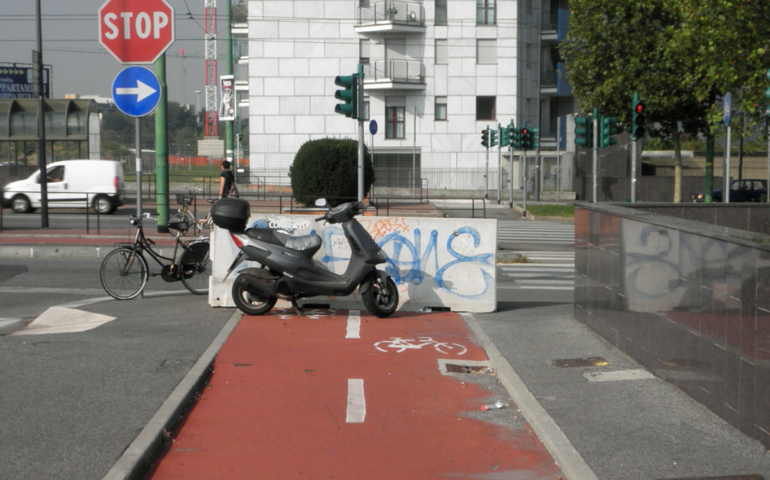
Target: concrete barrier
(435,262)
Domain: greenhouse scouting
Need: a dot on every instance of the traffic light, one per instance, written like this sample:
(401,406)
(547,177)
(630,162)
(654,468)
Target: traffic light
(485,138)
(534,138)
(348,95)
(493,140)
(524,138)
(505,136)
(584,131)
(516,138)
(639,120)
(606,132)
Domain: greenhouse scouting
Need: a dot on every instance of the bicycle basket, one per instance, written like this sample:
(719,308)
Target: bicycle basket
(184,198)
(181,226)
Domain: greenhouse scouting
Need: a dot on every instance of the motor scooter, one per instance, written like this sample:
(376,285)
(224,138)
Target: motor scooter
(288,270)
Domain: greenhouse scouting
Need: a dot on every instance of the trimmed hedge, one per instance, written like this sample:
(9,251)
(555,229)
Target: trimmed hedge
(328,168)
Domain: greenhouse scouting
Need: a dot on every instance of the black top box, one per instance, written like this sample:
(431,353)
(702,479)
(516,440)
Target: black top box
(231,214)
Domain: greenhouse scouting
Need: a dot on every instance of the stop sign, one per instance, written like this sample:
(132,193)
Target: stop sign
(136,31)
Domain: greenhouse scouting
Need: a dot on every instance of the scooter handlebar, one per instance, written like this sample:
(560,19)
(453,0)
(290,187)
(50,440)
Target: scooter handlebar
(320,219)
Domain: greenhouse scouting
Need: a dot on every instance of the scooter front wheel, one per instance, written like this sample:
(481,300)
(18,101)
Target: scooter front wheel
(249,301)
(381,297)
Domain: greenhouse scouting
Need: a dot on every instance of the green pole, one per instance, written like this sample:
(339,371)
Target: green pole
(161,148)
(709,167)
(229,137)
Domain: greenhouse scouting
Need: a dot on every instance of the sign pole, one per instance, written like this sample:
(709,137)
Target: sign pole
(510,176)
(161,149)
(486,177)
(634,149)
(595,167)
(524,182)
(499,163)
(767,185)
(726,190)
(360,106)
(558,158)
(138,128)
(41,122)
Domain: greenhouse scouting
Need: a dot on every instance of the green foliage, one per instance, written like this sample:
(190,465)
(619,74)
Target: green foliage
(183,128)
(328,168)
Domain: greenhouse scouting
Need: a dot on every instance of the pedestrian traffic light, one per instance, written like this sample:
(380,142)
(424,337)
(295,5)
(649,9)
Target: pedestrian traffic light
(493,140)
(534,138)
(505,136)
(348,95)
(584,131)
(607,130)
(524,138)
(639,120)
(485,137)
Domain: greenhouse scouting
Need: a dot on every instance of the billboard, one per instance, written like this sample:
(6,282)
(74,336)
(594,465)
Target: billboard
(16,81)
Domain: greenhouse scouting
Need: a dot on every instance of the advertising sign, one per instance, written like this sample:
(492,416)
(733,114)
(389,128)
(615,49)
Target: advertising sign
(17,82)
(227,98)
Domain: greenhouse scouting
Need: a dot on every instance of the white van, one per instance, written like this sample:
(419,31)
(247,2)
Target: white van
(70,184)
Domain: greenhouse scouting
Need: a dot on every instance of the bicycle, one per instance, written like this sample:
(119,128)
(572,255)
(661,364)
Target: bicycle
(184,215)
(124,272)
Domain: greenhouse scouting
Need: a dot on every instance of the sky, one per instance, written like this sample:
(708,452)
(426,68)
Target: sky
(81,65)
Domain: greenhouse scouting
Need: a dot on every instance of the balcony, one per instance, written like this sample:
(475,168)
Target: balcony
(242,77)
(240,30)
(554,25)
(394,75)
(403,17)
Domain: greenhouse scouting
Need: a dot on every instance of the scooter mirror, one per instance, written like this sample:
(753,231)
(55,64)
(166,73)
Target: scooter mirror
(321,202)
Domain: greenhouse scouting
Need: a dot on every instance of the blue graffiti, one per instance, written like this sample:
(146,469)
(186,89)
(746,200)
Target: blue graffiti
(412,268)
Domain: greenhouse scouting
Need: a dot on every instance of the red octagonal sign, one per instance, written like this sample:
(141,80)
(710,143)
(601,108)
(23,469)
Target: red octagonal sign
(136,31)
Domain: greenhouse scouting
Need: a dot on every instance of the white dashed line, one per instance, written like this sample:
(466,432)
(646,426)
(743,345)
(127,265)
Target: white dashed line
(354,324)
(356,401)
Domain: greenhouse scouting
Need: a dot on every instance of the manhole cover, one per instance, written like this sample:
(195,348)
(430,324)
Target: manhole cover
(581,362)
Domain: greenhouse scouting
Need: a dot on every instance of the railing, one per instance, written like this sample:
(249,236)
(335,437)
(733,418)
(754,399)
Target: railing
(400,13)
(548,77)
(402,71)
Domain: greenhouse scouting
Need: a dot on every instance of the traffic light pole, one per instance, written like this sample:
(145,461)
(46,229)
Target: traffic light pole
(499,164)
(726,174)
(486,177)
(767,195)
(138,128)
(595,167)
(634,150)
(510,175)
(360,106)
(524,182)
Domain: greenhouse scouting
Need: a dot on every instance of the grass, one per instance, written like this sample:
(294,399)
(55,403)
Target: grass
(566,211)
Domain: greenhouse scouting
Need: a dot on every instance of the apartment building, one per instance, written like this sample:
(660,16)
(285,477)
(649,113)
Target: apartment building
(436,74)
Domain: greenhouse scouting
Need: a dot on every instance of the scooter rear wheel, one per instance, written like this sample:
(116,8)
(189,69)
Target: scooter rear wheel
(381,298)
(249,301)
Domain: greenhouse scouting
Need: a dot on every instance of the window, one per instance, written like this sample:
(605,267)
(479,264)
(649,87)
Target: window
(485,12)
(364,49)
(440,108)
(395,112)
(442,52)
(486,52)
(55,174)
(441,15)
(485,108)
(366,109)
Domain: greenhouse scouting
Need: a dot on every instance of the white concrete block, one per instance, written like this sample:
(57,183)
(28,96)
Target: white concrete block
(278,9)
(293,67)
(324,67)
(279,86)
(461,85)
(337,10)
(263,67)
(463,124)
(312,9)
(455,32)
(339,124)
(264,143)
(263,29)
(278,49)
(487,31)
(446,143)
(506,105)
(256,87)
(324,30)
(256,48)
(309,86)
(435,262)
(486,85)
(295,105)
(309,124)
(292,143)
(279,124)
(486,71)
(256,9)
(455,106)
(256,123)
(468,105)
(265,106)
(314,49)
(323,105)
(289,29)
(341,49)
(472,142)
(468,67)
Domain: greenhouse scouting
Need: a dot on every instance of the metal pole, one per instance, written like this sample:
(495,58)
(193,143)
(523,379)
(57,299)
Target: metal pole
(360,105)
(229,126)
(726,190)
(558,159)
(596,152)
(138,128)
(524,182)
(486,177)
(499,163)
(767,185)
(510,176)
(161,149)
(634,150)
(41,122)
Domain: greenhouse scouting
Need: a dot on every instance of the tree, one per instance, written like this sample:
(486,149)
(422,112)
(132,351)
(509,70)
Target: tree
(617,47)
(328,168)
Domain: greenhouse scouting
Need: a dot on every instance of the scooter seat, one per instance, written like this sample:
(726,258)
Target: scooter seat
(304,242)
(298,243)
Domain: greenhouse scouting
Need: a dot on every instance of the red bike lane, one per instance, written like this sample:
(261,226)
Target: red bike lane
(292,397)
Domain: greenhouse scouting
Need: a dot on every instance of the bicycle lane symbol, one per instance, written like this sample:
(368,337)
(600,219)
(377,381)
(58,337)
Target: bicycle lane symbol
(401,345)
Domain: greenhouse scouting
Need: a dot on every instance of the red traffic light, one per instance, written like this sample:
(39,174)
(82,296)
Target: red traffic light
(639,107)
(524,131)
(483,132)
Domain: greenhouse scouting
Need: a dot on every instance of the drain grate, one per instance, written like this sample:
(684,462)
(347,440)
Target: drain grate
(453,368)
(729,477)
(581,362)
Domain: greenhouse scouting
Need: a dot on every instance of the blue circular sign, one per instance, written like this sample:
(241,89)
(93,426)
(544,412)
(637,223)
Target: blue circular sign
(136,91)
(727,108)
(373,127)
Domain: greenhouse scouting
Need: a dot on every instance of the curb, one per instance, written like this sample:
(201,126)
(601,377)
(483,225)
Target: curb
(558,445)
(63,251)
(138,456)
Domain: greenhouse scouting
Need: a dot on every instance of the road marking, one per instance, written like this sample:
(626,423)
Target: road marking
(4,322)
(404,344)
(638,374)
(356,401)
(516,287)
(354,324)
(64,320)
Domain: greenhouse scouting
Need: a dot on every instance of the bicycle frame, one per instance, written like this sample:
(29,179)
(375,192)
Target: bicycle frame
(142,243)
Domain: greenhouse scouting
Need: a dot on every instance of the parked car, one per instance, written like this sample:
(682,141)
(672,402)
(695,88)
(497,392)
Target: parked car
(71,183)
(751,190)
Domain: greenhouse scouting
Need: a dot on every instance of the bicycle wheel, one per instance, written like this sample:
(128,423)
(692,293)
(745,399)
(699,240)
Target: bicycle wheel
(124,273)
(195,266)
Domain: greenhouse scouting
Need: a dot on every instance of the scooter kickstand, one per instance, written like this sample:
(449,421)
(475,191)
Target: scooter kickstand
(297,308)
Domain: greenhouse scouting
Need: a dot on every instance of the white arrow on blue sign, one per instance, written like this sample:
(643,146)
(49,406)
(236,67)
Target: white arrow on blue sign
(727,108)
(136,91)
